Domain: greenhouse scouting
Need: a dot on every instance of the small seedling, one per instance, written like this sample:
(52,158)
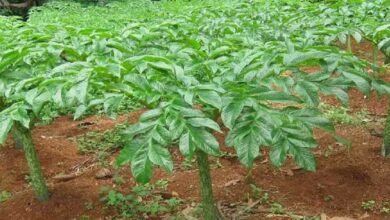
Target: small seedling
(118,180)
(187,164)
(328,198)
(277,208)
(4,196)
(143,200)
(328,151)
(342,115)
(385,210)
(83,217)
(259,194)
(28,179)
(368,205)
(216,165)
(88,205)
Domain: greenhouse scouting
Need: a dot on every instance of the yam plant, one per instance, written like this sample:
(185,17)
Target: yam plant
(238,69)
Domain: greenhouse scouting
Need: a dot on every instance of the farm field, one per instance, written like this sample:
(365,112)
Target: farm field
(196,110)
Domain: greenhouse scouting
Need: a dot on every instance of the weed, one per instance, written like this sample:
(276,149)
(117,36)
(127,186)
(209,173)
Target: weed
(102,144)
(328,151)
(385,209)
(259,194)
(277,208)
(83,217)
(93,142)
(118,179)
(143,200)
(28,179)
(88,205)
(368,205)
(216,165)
(102,157)
(342,115)
(328,198)
(4,196)
(187,164)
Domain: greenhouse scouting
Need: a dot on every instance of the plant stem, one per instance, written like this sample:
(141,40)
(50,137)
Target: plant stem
(17,140)
(386,135)
(349,44)
(375,59)
(209,208)
(249,175)
(375,54)
(387,56)
(37,177)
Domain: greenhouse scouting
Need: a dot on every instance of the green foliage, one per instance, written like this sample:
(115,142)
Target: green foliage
(342,115)
(144,200)
(259,194)
(368,205)
(385,209)
(187,164)
(117,14)
(107,141)
(88,205)
(241,61)
(277,208)
(4,196)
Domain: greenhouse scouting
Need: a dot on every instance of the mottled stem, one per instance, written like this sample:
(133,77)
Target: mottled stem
(386,135)
(349,43)
(17,140)
(36,174)
(210,210)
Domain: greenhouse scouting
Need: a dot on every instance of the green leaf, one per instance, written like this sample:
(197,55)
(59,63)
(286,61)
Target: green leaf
(139,128)
(21,115)
(314,118)
(303,157)
(198,138)
(162,66)
(81,89)
(210,97)
(301,57)
(231,112)
(220,51)
(112,103)
(278,155)
(308,91)
(357,36)
(278,97)
(5,127)
(160,156)
(248,149)
(206,142)
(361,81)
(67,66)
(385,43)
(340,94)
(204,122)
(141,166)
(186,146)
(127,153)
(343,141)
(79,112)
(150,114)
(303,143)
